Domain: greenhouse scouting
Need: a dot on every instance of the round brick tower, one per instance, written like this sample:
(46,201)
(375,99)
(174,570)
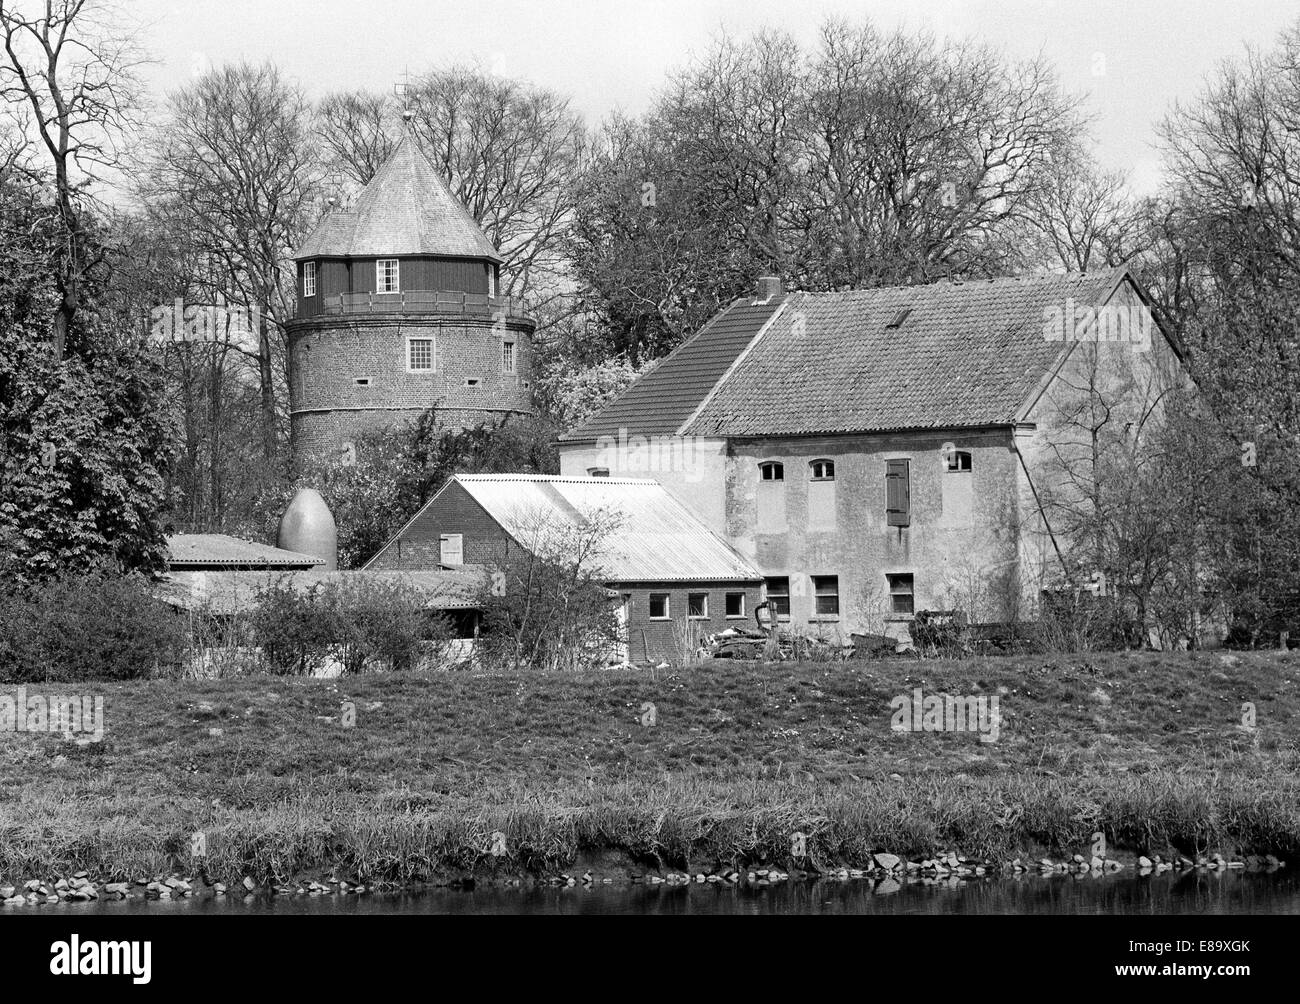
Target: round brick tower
(398,312)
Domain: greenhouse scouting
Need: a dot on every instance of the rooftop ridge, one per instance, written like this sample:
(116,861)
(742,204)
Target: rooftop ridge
(1042,278)
(555,477)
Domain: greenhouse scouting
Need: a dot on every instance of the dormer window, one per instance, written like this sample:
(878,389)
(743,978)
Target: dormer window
(899,317)
(308,278)
(771,470)
(387,277)
(822,470)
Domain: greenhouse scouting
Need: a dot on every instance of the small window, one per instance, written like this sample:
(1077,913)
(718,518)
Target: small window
(472,381)
(362,381)
(826,593)
(507,357)
(823,470)
(387,276)
(958,462)
(697,606)
(901,593)
(778,597)
(308,278)
(659,606)
(735,605)
(597,472)
(451,549)
(771,470)
(419,354)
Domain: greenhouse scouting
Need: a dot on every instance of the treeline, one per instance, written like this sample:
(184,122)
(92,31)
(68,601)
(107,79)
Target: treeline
(871,157)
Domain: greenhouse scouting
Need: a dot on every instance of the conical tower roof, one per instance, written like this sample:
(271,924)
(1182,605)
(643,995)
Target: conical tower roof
(406,209)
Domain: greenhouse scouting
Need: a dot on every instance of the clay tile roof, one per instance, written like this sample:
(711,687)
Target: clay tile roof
(959,354)
(406,209)
(659,402)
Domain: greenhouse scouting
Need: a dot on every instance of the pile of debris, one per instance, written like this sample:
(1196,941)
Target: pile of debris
(951,633)
(778,646)
(941,633)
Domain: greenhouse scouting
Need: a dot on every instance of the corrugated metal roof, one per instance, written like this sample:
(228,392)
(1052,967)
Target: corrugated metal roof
(965,354)
(219,550)
(656,538)
(659,402)
(227,593)
(406,209)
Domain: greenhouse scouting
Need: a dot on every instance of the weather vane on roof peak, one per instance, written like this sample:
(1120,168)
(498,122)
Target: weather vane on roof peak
(403,90)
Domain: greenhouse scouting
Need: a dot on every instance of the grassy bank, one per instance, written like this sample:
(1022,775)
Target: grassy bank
(1145,747)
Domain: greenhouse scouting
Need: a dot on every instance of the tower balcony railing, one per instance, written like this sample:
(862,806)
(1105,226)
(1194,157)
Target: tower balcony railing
(424,301)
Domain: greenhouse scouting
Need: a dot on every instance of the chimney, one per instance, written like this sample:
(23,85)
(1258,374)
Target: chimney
(767,287)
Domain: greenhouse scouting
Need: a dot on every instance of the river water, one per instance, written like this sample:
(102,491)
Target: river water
(1191,893)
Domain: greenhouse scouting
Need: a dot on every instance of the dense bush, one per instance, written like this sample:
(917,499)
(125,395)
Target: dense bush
(548,608)
(379,624)
(1079,622)
(99,627)
(364,623)
(291,628)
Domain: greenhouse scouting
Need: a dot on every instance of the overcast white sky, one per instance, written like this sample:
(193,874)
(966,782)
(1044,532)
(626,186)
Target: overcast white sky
(609,55)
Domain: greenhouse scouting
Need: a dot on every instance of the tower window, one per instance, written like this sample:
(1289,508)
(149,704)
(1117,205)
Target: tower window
(387,278)
(771,470)
(822,470)
(507,357)
(308,278)
(419,355)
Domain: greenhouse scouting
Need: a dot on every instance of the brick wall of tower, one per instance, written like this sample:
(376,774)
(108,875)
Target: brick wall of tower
(328,355)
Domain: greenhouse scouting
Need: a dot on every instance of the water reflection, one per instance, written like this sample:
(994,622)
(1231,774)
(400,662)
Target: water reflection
(1190,893)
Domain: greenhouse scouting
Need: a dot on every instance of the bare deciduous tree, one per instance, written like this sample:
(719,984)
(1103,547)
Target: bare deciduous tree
(236,166)
(76,71)
(1082,217)
(356,131)
(921,155)
(510,153)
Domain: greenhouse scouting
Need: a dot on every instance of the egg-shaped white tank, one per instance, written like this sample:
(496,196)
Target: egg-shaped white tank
(307,527)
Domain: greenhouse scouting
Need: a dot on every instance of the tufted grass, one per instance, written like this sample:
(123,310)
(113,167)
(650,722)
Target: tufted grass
(1145,746)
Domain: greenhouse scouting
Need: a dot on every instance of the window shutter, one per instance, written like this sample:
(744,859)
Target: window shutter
(451,549)
(898,507)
